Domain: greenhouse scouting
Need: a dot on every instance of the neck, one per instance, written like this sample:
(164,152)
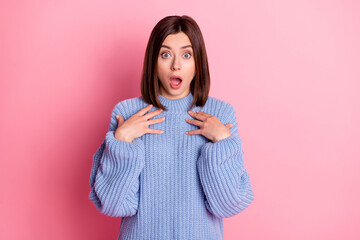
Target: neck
(176,105)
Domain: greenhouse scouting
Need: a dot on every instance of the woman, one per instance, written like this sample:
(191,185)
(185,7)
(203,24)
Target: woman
(170,173)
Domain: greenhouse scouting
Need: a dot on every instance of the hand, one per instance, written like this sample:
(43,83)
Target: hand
(210,126)
(137,124)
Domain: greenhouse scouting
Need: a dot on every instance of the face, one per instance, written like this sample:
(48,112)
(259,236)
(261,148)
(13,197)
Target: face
(175,60)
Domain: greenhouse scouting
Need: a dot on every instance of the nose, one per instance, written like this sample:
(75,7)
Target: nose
(175,64)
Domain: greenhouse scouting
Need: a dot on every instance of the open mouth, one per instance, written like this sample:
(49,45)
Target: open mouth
(175,81)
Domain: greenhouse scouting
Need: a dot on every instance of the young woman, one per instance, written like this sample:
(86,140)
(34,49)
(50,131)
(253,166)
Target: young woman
(171,164)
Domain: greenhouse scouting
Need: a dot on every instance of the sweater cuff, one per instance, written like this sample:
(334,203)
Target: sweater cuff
(125,150)
(218,152)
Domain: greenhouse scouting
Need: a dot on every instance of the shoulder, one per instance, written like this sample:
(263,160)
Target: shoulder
(218,107)
(126,108)
(218,101)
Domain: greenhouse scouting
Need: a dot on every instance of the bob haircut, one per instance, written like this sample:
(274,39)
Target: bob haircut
(200,84)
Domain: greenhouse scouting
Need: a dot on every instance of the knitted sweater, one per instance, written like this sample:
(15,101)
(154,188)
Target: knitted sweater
(171,186)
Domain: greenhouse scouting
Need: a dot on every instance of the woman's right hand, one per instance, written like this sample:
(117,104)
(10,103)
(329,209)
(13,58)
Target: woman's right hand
(137,124)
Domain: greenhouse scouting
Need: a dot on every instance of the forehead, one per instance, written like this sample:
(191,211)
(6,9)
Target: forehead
(177,40)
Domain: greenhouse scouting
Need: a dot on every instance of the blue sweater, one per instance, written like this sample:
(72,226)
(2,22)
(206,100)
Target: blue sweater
(171,186)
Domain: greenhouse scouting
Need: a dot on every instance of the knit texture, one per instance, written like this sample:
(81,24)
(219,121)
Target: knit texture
(171,186)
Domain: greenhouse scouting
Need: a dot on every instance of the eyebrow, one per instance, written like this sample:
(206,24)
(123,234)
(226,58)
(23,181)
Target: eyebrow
(166,46)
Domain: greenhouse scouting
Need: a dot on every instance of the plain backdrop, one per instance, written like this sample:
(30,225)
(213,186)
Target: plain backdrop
(290,69)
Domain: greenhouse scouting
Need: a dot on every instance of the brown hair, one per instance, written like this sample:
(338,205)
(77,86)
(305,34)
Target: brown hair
(200,85)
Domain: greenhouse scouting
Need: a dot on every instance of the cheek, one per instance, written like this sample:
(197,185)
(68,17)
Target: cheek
(160,68)
(191,68)
(162,64)
(161,71)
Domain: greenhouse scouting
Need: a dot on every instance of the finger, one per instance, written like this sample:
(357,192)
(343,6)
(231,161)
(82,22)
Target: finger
(196,131)
(153,114)
(119,118)
(229,125)
(144,110)
(154,131)
(154,121)
(196,115)
(203,113)
(194,122)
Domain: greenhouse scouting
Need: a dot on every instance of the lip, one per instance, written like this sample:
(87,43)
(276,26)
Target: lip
(175,76)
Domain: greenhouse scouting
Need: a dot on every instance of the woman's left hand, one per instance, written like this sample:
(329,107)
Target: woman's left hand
(210,126)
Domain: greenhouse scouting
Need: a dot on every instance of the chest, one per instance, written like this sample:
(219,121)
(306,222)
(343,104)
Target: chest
(173,145)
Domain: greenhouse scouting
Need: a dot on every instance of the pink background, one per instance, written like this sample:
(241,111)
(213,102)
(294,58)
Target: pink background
(290,69)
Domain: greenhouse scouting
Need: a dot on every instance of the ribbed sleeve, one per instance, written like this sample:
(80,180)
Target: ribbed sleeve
(114,178)
(224,179)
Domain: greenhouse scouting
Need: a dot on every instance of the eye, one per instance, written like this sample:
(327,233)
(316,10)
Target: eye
(188,54)
(162,54)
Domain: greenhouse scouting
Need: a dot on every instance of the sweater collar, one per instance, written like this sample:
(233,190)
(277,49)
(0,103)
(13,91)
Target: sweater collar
(173,105)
